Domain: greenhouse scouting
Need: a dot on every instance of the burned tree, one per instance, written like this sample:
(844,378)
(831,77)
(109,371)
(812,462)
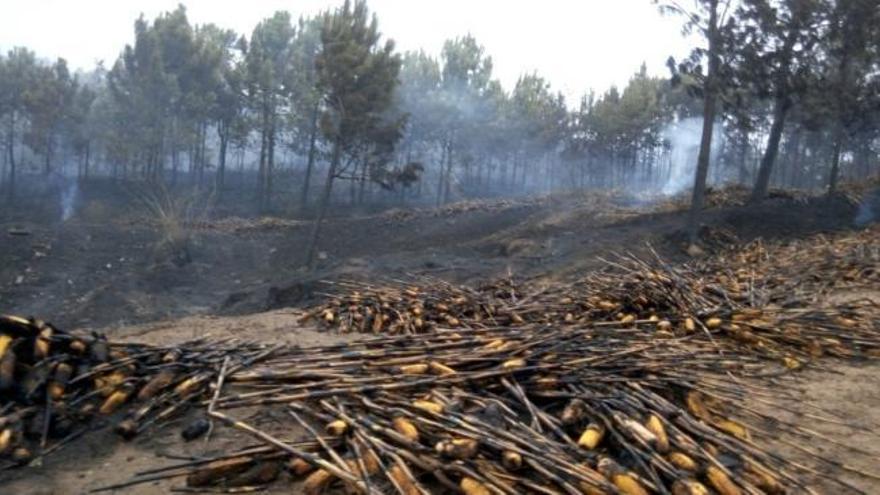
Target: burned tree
(357,75)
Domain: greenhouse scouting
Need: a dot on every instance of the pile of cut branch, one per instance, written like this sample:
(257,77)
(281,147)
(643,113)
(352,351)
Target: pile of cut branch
(634,380)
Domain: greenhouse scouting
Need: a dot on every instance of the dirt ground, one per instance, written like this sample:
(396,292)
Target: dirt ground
(105,266)
(101,270)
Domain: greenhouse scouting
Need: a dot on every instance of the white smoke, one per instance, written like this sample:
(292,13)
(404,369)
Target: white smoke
(683,137)
(868,209)
(68,200)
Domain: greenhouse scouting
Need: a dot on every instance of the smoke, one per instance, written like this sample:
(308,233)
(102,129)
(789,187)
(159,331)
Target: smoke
(683,138)
(68,199)
(868,209)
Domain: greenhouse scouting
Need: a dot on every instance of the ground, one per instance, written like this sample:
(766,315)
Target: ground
(104,270)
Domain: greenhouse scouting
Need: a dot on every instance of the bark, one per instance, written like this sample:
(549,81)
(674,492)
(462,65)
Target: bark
(709,108)
(834,176)
(270,165)
(793,151)
(175,165)
(363,183)
(203,148)
(11,148)
(47,164)
(839,131)
(261,173)
(223,134)
(311,257)
(447,181)
(87,164)
(864,159)
(762,183)
(313,138)
(442,175)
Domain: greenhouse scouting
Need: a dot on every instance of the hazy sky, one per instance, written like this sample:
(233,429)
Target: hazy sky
(575,44)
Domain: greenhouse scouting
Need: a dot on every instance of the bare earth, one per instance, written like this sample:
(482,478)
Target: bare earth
(245,283)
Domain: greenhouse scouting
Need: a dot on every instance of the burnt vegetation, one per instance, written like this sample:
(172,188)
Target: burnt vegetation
(302,259)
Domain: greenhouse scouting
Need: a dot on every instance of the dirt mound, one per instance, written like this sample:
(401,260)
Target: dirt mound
(269,298)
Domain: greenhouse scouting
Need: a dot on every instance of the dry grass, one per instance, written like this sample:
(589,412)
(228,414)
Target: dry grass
(175,217)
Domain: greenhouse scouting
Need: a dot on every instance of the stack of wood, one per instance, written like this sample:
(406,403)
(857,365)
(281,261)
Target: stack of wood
(53,384)
(770,297)
(601,408)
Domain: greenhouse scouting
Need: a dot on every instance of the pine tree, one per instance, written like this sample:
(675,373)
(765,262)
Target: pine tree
(714,21)
(357,76)
(17,75)
(777,40)
(268,63)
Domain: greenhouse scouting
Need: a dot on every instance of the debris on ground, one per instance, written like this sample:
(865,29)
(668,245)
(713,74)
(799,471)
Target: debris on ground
(636,379)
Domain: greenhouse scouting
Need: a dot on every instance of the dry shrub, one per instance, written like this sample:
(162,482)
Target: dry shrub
(175,217)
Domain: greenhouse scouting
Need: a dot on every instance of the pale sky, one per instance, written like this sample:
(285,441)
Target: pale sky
(575,44)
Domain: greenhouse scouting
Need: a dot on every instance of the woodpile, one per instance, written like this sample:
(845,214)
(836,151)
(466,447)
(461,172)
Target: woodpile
(763,295)
(629,381)
(53,384)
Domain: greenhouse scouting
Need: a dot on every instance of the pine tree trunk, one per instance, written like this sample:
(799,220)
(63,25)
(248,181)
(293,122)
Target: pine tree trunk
(762,183)
(261,173)
(793,158)
(863,157)
(221,158)
(363,183)
(311,257)
(203,148)
(270,165)
(47,164)
(442,174)
(11,148)
(87,164)
(313,138)
(447,181)
(270,168)
(709,108)
(834,176)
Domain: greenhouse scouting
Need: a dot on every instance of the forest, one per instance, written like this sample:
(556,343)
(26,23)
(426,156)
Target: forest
(324,110)
(274,112)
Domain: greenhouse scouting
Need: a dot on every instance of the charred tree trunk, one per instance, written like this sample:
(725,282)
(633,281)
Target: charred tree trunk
(203,152)
(11,148)
(442,174)
(223,134)
(47,164)
(311,257)
(762,183)
(793,159)
(270,162)
(363,184)
(261,173)
(834,175)
(447,181)
(313,138)
(709,108)
(88,157)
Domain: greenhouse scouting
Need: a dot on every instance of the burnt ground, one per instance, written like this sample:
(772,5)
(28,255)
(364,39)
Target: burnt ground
(104,270)
(107,266)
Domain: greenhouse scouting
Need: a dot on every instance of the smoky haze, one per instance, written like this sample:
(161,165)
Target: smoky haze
(568,96)
(568,41)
